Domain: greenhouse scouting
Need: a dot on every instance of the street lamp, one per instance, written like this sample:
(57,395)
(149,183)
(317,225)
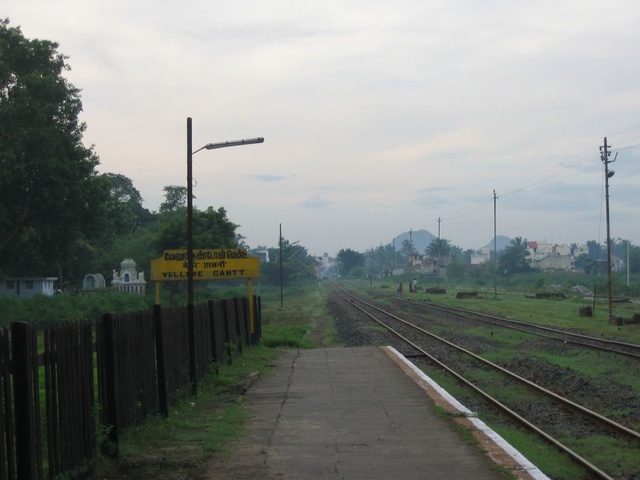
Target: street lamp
(190,306)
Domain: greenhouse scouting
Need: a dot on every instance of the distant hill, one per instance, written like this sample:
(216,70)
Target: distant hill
(501,243)
(420,239)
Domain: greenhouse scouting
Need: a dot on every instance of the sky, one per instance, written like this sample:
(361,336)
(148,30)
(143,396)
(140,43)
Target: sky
(379,117)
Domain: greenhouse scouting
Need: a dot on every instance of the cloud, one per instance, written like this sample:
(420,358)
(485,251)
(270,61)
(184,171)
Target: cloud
(316,201)
(266,177)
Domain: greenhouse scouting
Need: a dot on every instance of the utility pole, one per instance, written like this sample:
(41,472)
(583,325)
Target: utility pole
(280,261)
(604,156)
(393,243)
(410,242)
(495,249)
(439,247)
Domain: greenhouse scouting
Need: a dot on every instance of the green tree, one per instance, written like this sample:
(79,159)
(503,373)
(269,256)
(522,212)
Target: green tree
(348,260)
(595,252)
(297,265)
(174,198)
(572,248)
(514,258)
(52,202)
(125,204)
(211,229)
(439,247)
(408,248)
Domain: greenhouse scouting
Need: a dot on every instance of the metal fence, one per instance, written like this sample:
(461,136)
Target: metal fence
(90,381)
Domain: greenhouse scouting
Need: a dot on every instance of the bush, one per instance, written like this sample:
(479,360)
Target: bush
(42,310)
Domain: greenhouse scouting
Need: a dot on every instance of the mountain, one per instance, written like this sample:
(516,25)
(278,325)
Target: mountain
(501,243)
(420,240)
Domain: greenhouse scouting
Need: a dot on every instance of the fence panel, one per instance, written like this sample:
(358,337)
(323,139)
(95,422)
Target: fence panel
(26,398)
(129,369)
(202,340)
(242,320)
(176,350)
(257,306)
(230,330)
(218,339)
(7,431)
(69,381)
(127,374)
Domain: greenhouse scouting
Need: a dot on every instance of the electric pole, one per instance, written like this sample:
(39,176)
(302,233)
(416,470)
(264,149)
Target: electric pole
(495,249)
(604,156)
(410,242)
(439,247)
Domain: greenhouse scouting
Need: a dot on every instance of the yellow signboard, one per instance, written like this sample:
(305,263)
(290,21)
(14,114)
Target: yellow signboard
(212,264)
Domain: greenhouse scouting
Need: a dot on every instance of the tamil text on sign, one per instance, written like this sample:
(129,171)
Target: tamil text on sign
(211,264)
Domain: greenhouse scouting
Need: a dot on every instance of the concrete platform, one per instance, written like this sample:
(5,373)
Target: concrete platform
(359,413)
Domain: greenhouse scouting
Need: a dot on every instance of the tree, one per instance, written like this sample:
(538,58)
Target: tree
(211,229)
(174,198)
(407,248)
(514,258)
(456,252)
(572,248)
(125,205)
(439,247)
(51,198)
(595,252)
(348,260)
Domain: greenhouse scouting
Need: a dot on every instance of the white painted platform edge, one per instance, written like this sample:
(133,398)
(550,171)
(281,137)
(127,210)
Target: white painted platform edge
(480,425)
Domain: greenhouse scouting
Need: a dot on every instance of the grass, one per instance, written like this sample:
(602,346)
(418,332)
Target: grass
(197,426)
(540,453)
(606,451)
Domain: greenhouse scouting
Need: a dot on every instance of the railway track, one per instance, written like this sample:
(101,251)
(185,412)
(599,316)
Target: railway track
(627,349)
(549,414)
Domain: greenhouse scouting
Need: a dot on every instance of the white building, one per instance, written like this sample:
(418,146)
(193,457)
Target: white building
(129,279)
(27,287)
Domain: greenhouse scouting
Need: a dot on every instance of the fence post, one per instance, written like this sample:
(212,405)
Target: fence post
(193,373)
(237,304)
(214,344)
(163,402)
(227,333)
(111,394)
(23,395)
(7,444)
(257,316)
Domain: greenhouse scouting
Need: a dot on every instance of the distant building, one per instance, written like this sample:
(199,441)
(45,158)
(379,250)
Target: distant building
(549,256)
(482,257)
(93,280)
(129,279)
(263,255)
(27,287)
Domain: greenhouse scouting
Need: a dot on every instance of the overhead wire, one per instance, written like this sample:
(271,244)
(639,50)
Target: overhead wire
(574,162)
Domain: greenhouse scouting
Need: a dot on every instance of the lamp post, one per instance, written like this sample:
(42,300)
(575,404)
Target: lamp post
(190,305)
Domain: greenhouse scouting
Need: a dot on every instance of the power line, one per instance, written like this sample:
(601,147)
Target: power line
(586,155)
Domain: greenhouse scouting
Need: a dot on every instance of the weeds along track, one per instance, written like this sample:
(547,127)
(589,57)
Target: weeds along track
(562,422)
(444,312)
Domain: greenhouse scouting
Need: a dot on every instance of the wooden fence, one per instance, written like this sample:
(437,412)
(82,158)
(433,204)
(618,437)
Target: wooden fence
(92,380)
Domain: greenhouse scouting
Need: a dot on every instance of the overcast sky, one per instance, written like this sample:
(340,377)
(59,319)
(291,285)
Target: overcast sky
(378,116)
